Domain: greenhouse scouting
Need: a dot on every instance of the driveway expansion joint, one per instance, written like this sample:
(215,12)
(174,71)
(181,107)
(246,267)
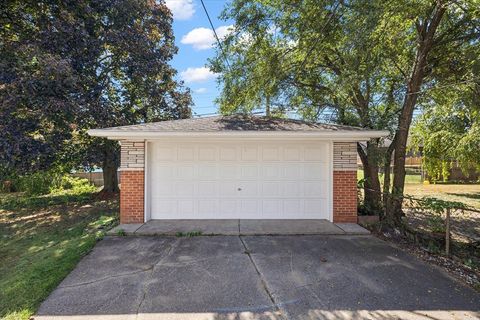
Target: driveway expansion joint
(262,278)
(152,269)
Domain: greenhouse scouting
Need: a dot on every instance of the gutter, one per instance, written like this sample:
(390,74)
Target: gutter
(345,135)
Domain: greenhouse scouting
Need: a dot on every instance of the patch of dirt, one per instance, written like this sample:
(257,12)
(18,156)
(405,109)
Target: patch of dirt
(452,266)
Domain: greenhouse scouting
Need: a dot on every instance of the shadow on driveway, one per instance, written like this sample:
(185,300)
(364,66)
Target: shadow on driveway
(256,277)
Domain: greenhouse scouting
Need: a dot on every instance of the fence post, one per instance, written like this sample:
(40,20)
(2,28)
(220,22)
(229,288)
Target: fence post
(447,233)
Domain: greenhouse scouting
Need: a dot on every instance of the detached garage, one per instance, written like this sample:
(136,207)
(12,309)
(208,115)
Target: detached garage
(238,167)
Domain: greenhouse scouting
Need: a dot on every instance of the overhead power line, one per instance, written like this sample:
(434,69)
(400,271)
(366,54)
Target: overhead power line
(215,33)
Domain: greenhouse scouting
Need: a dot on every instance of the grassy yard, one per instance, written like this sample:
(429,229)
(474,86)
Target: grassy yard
(41,240)
(466,193)
(465,224)
(409,178)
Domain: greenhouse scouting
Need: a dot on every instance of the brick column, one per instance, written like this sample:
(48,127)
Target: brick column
(345,182)
(132,180)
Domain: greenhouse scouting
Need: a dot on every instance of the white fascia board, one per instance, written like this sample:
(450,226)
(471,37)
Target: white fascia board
(343,135)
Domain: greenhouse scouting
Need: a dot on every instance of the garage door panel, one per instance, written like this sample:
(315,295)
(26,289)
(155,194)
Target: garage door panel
(254,180)
(293,206)
(271,189)
(270,171)
(163,154)
(163,172)
(208,189)
(208,153)
(166,190)
(272,208)
(207,171)
(292,153)
(227,188)
(186,153)
(316,153)
(245,188)
(312,206)
(292,189)
(314,171)
(315,189)
(183,189)
(208,208)
(249,172)
(270,153)
(186,208)
(291,172)
(185,171)
(228,171)
(228,153)
(164,207)
(249,208)
(249,153)
(227,208)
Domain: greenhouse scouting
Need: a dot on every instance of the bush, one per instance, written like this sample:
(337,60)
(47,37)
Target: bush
(41,182)
(45,182)
(75,185)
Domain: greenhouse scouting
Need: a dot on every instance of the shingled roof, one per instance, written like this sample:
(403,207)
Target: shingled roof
(234,123)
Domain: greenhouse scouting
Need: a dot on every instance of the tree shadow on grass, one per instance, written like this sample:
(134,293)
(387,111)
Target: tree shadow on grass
(42,239)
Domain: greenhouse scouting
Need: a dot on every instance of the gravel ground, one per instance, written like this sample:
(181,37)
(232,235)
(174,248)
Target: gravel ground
(452,266)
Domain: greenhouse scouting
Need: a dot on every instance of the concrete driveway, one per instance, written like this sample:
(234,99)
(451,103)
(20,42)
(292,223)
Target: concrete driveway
(256,277)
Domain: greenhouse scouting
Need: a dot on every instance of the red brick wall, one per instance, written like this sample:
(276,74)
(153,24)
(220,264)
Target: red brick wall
(345,196)
(132,196)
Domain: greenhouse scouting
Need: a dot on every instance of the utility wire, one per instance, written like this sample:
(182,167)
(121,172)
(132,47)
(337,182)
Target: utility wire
(215,33)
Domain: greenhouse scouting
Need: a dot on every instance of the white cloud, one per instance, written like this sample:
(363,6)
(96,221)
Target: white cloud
(204,38)
(223,31)
(201,74)
(199,38)
(181,9)
(200,90)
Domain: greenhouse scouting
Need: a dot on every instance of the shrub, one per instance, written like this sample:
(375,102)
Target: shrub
(46,182)
(74,185)
(41,182)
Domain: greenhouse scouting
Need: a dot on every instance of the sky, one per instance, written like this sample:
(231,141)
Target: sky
(194,38)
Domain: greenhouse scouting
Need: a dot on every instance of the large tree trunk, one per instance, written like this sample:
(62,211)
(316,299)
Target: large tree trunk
(110,166)
(426,33)
(386,178)
(372,193)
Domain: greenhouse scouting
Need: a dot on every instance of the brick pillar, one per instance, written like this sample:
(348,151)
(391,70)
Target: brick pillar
(132,182)
(345,182)
(345,196)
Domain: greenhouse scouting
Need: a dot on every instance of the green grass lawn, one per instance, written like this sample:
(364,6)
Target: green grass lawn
(409,178)
(466,193)
(41,240)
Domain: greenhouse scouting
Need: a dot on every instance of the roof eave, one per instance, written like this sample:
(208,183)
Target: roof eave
(151,135)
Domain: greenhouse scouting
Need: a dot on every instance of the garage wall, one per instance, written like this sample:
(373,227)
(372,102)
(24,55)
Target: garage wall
(132,180)
(345,182)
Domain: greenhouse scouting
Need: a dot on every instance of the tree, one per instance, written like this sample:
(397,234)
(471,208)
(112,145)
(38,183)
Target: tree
(101,63)
(365,63)
(449,130)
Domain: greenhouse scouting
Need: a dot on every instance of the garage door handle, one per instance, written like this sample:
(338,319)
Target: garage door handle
(239,189)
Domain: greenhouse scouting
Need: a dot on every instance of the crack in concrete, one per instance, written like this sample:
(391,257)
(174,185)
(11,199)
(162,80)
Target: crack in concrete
(170,250)
(263,281)
(106,278)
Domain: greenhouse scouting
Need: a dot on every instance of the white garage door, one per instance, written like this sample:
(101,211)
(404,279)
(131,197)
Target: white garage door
(239,180)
